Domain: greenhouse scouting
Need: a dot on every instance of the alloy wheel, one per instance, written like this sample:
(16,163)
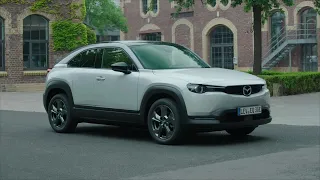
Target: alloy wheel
(59,113)
(163,122)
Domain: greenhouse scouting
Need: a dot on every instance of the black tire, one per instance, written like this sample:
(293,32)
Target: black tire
(176,136)
(241,132)
(70,124)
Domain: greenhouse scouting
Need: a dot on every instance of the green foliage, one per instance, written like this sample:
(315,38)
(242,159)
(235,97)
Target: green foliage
(317,5)
(13,1)
(268,72)
(292,82)
(105,14)
(295,83)
(74,7)
(91,35)
(68,35)
(54,8)
(40,4)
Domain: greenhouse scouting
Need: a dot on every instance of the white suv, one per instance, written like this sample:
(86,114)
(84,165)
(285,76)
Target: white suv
(161,85)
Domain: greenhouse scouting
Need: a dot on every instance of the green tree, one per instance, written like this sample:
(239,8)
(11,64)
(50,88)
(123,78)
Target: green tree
(317,5)
(105,14)
(261,10)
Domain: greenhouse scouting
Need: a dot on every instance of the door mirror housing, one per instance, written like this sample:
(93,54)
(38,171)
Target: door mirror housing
(121,67)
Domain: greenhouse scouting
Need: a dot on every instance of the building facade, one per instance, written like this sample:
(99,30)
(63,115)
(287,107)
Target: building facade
(26,46)
(223,36)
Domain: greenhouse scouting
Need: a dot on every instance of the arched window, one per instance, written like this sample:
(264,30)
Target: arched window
(154,6)
(225,3)
(213,3)
(35,42)
(277,28)
(145,6)
(222,47)
(1,44)
(309,54)
(309,22)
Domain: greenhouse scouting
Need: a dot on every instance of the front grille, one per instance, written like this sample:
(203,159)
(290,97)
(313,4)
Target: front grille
(232,116)
(238,90)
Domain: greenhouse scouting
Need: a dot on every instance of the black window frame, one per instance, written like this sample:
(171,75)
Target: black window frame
(2,42)
(31,42)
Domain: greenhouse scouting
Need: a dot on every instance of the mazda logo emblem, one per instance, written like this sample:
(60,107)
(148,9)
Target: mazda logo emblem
(247,90)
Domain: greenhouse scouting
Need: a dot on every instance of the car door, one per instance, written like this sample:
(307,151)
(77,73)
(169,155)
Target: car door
(84,76)
(117,91)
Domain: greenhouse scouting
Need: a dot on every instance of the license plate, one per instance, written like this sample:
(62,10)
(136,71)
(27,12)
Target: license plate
(243,111)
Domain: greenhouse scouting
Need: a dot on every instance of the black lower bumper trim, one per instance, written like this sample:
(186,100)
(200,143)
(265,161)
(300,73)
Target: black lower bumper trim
(216,125)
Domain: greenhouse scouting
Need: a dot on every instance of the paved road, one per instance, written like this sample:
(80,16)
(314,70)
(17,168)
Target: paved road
(29,149)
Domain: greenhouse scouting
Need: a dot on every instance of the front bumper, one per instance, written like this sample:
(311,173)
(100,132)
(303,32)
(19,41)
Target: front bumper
(228,120)
(215,103)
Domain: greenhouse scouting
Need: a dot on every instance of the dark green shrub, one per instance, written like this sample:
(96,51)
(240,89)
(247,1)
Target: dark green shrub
(68,35)
(92,38)
(295,82)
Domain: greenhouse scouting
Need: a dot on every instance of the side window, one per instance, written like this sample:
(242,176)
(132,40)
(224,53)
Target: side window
(114,55)
(88,58)
(76,61)
(91,58)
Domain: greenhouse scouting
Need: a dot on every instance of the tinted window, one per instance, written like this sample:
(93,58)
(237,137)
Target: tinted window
(167,56)
(88,59)
(114,55)
(76,61)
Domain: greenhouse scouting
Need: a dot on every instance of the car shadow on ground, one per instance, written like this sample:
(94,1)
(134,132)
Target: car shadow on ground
(139,134)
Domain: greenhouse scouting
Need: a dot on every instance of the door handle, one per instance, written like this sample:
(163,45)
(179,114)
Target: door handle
(100,78)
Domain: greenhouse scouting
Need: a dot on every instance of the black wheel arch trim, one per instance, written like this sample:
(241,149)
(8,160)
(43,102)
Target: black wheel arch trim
(163,89)
(57,84)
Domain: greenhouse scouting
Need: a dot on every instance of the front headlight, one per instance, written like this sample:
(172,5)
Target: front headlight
(265,87)
(200,88)
(196,88)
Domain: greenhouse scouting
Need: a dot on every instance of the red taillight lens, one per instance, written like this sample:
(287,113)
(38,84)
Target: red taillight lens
(48,70)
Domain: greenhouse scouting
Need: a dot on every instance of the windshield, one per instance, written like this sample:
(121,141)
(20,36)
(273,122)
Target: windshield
(167,56)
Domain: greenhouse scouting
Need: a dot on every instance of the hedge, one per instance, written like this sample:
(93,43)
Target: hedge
(91,35)
(293,82)
(68,35)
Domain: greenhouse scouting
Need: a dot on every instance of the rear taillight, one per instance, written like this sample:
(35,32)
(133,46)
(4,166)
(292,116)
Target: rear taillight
(48,70)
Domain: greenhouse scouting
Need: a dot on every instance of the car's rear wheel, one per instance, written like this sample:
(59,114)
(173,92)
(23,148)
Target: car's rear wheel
(59,113)
(164,122)
(241,131)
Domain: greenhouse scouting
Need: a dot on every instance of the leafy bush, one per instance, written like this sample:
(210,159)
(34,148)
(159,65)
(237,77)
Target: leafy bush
(294,82)
(68,35)
(92,39)
(268,72)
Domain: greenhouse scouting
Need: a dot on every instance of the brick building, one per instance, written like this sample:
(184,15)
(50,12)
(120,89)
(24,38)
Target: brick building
(26,49)
(223,35)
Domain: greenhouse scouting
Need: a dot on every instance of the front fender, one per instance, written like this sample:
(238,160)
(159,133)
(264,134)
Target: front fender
(163,89)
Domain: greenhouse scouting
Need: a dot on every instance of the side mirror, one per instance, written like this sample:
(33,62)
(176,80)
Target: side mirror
(121,67)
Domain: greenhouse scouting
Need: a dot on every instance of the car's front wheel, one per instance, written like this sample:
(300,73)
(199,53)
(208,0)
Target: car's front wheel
(164,122)
(59,113)
(241,131)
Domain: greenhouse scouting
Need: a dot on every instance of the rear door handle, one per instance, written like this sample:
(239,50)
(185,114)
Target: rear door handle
(100,78)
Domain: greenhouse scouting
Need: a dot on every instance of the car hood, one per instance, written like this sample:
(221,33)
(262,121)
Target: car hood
(211,76)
